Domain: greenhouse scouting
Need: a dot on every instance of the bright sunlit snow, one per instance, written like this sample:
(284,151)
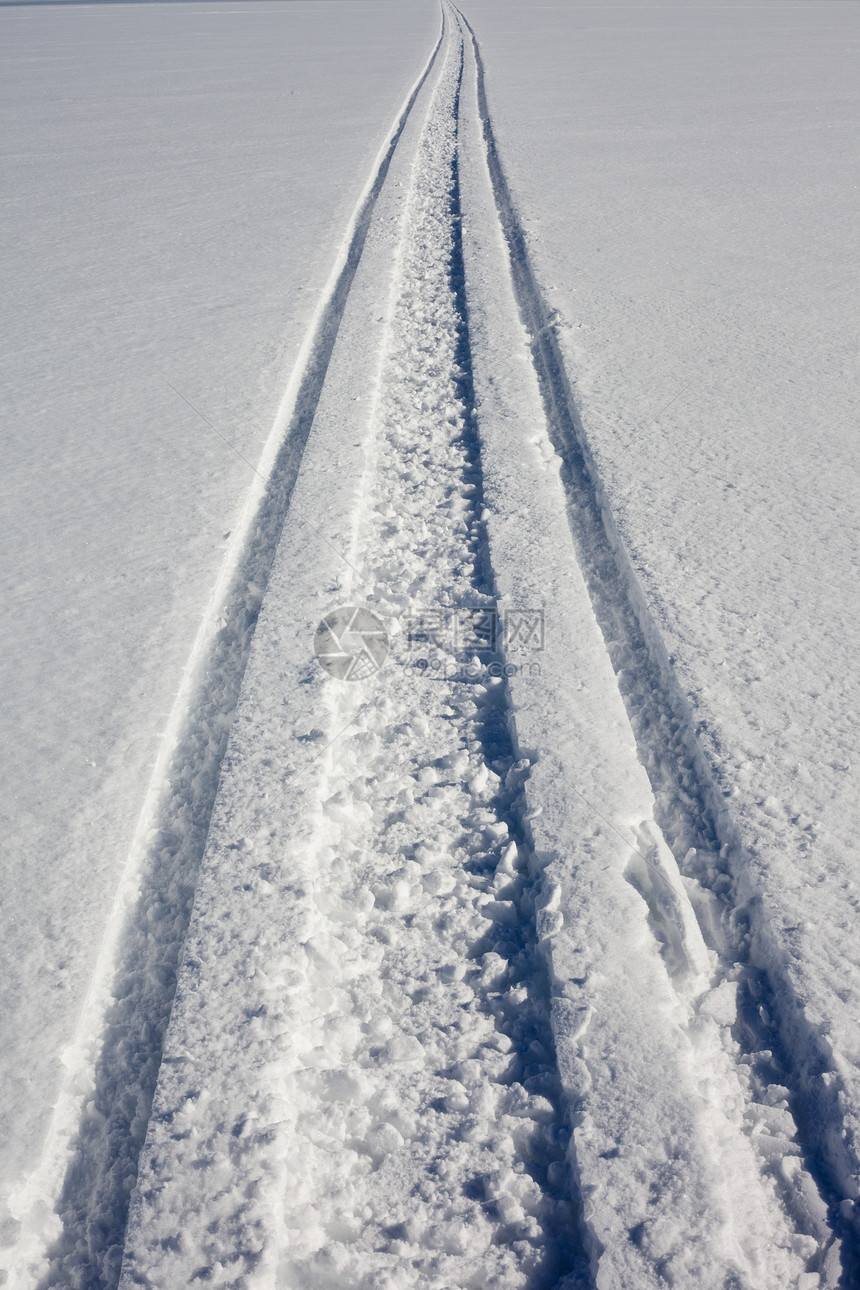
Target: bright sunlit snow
(177,181)
(461,400)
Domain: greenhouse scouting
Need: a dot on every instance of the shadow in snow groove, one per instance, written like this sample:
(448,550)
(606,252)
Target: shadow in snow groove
(689,807)
(93,1204)
(519,997)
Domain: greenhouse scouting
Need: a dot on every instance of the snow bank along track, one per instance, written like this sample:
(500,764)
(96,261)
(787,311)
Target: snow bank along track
(449,1013)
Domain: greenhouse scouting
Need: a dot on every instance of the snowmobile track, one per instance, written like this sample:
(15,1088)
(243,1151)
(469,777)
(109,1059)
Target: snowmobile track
(370,1076)
(430,1060)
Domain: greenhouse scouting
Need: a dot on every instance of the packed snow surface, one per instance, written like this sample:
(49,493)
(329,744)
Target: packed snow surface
(684,176)
(686,179)
(177,181)
(515,960)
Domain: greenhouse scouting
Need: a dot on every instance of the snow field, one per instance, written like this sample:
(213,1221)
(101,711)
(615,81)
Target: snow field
(683,177)
(408,876)
(71,1208)
(448,1011)
(178,179)
(750,1194)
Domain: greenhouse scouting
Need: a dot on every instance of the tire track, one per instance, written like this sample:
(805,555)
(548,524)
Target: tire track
(428,1142)
(795,1142)
(359,1085)
(98,1128)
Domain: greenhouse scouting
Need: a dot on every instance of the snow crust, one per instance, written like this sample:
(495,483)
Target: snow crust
(177,181)
(438,924)
(489,980)
(683,177)
(384,1042)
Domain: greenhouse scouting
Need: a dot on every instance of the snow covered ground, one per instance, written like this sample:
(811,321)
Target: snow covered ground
(177,181)
(684,176)
(524,960)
